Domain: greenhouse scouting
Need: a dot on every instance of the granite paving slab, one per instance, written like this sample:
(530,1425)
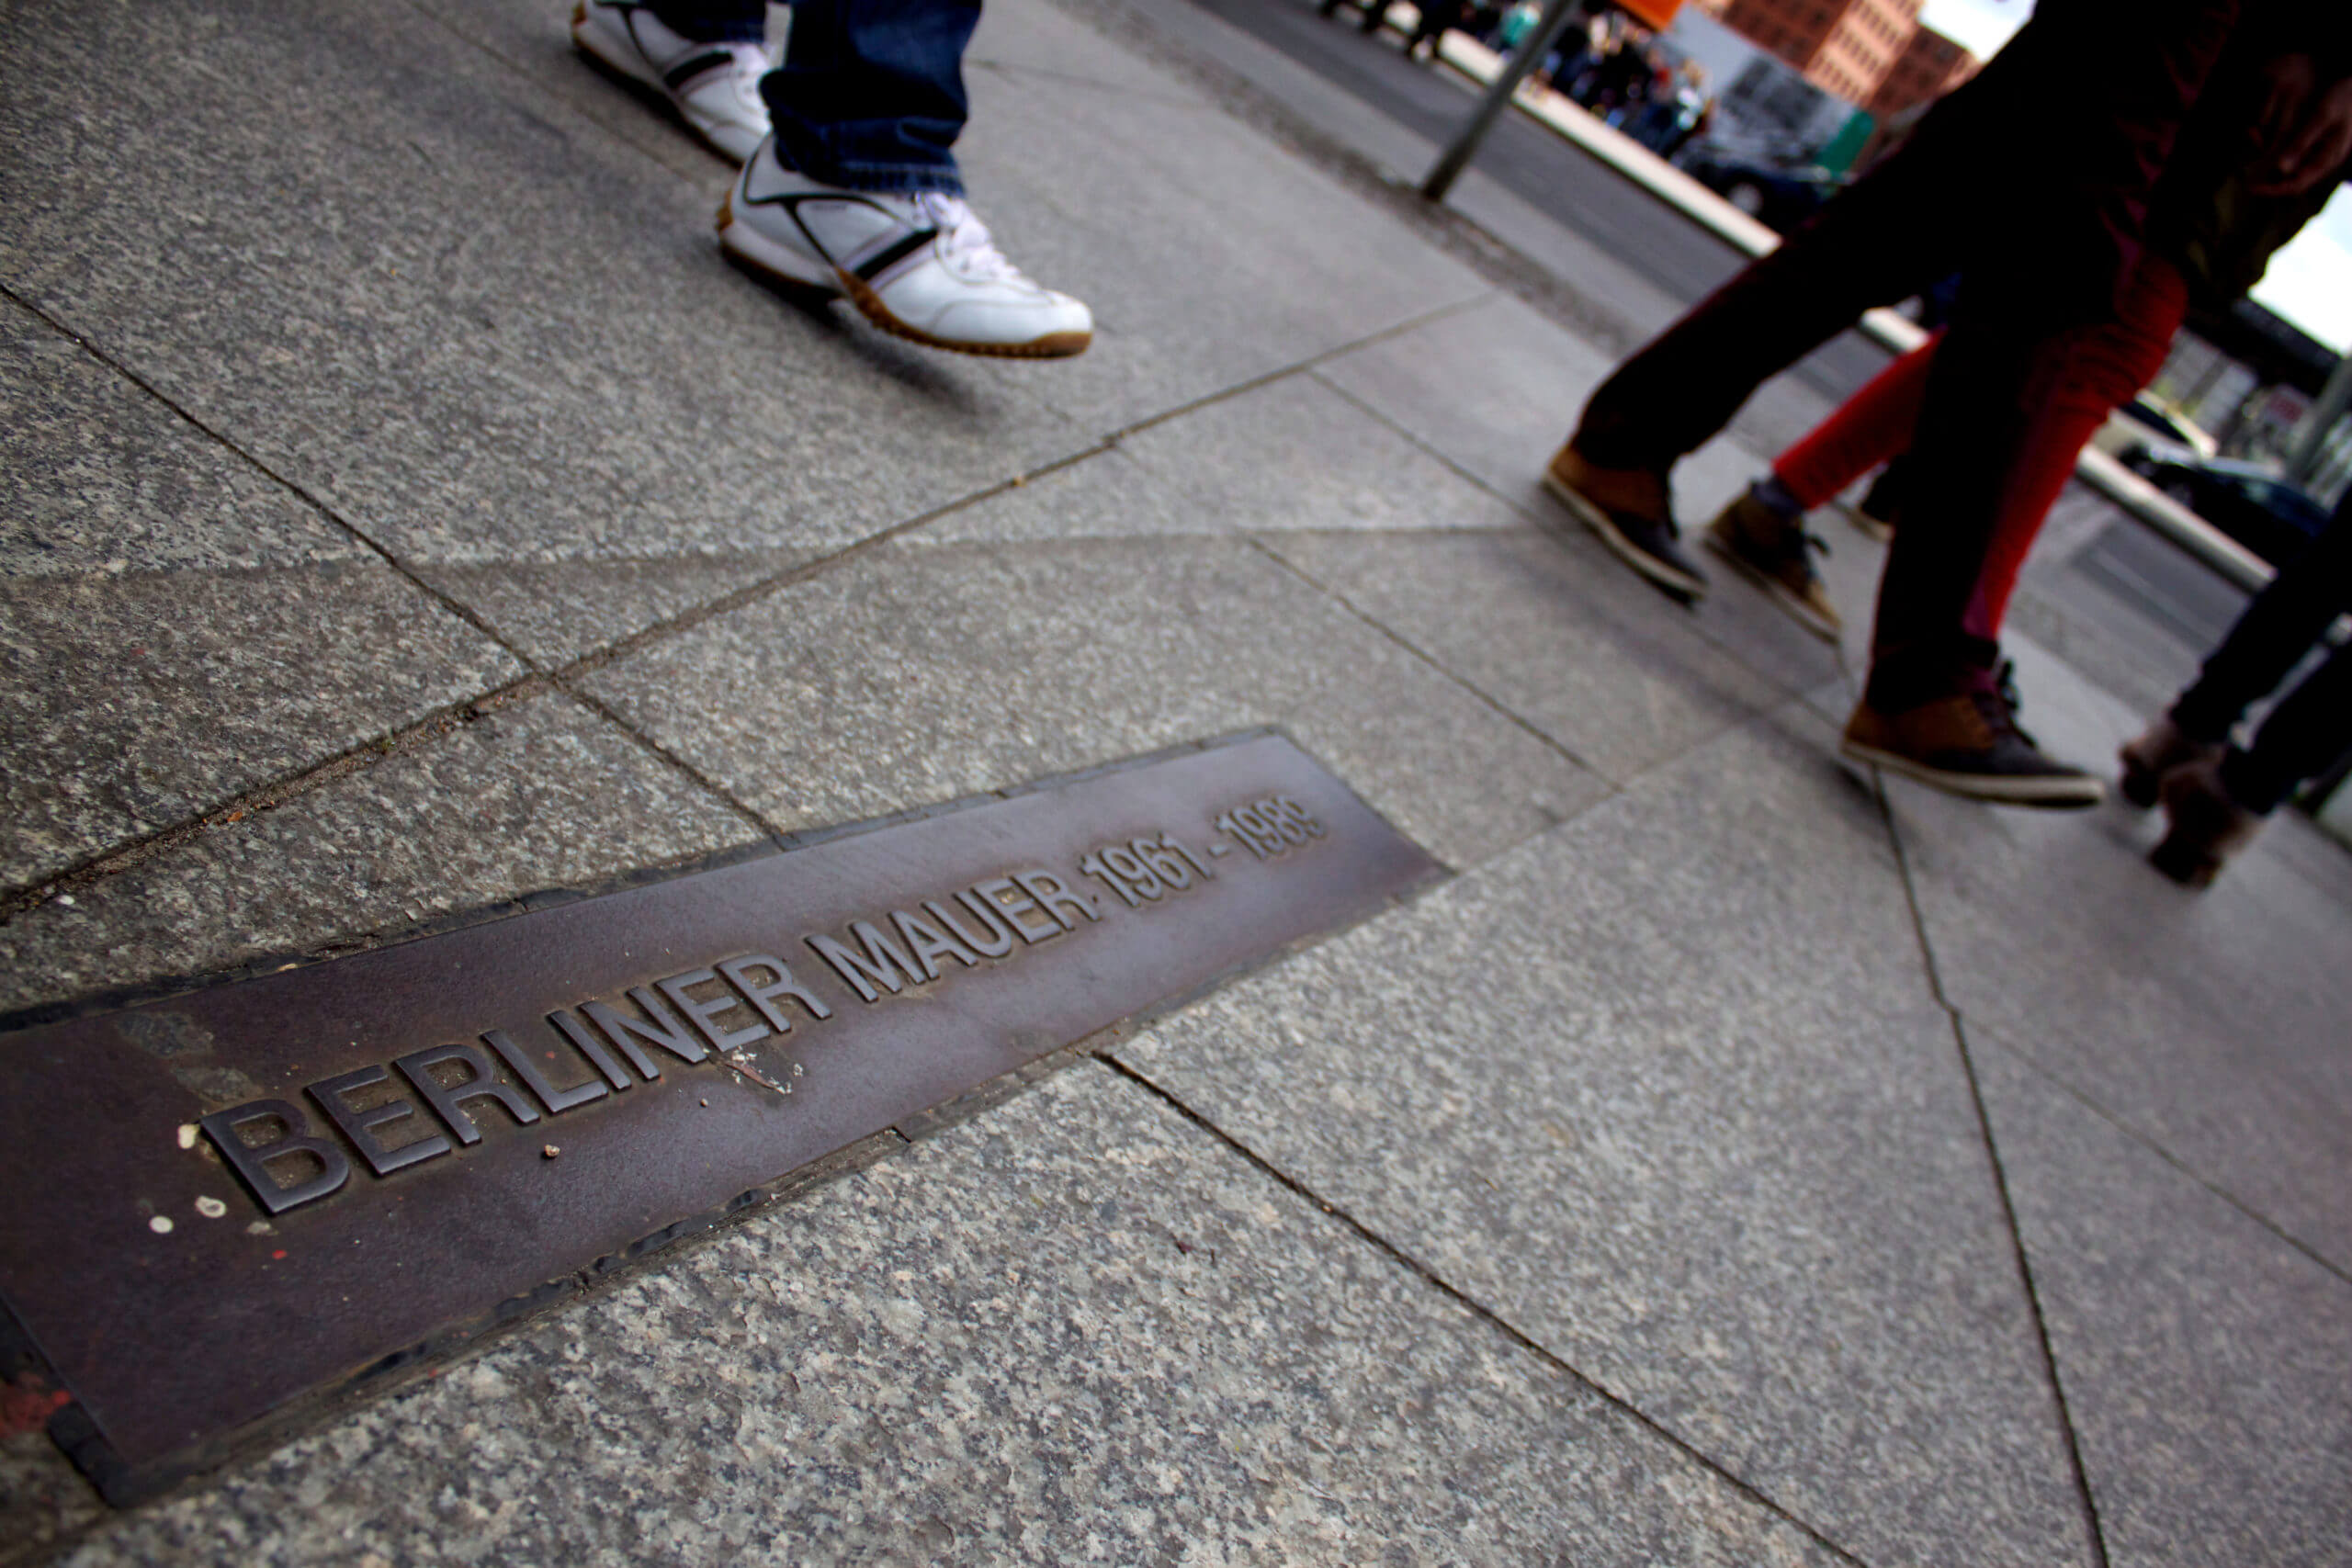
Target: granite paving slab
(533,40)
(1493,388)
(43,1499)
(469,319)
(1189,236)
(1291,453)
(1622,682)
(1496,388)
(130,703)
(1667,1089)
(1059,44)
(2205,1361)
(535,795)
(1075,1329)
(555,612)
(2213,1024)
(149,576)
(1084,158)
(98,476)
(922,672)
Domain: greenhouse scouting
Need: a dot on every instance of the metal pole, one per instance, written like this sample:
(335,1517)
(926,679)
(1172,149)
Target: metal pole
(1531,49)
(2312,439)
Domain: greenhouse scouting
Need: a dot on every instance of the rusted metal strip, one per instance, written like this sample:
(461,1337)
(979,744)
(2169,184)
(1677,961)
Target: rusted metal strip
(226,1200)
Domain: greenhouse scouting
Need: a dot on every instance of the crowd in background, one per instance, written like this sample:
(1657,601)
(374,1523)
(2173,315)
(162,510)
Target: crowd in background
(1613,66)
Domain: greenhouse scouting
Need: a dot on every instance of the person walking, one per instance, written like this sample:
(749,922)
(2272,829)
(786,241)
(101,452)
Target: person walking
(2207,243)
(1438,17)
(2216,794)
(2045,216)
(850,187)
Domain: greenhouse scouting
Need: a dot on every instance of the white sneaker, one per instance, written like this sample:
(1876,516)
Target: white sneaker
(716,86)
(919,265)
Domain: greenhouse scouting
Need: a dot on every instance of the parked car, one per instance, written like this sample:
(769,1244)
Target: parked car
(2145,422)
(2248,502)
(1779,195)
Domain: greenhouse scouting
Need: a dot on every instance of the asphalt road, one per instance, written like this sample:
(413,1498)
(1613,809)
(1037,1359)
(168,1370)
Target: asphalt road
(1680,257)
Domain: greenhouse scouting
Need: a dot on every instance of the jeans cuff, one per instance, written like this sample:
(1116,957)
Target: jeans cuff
(882,179)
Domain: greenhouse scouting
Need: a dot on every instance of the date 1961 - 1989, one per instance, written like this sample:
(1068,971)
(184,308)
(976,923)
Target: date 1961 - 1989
(1146,870)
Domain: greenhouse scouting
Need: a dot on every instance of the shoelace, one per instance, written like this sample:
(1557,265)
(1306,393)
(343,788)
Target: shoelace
(2000,705)
(752,62)
(965,243)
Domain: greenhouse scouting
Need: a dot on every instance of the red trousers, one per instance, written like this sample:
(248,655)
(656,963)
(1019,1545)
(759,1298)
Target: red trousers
(2042,215)
(2108,366)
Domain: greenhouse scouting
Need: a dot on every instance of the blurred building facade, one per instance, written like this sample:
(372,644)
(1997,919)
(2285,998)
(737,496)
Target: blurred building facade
(1872,54)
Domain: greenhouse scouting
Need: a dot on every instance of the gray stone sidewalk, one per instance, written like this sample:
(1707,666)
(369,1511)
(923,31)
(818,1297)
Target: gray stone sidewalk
(1737,1161)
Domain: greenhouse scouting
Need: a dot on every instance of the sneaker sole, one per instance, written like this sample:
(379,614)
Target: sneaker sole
(2048,794)
(755,251)
(1686,586)
(1796,608)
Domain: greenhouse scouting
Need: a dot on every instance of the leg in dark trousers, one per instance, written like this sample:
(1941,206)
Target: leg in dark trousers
(2215,798)
(2270,638)
(714,21)
(2045,220)
(1902,228)
(2304,735)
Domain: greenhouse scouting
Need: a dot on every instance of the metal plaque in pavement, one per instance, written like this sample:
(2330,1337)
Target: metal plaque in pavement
(226,1200)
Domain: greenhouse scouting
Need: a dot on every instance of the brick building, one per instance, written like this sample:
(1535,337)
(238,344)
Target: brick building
(1872,53)
(1930,66)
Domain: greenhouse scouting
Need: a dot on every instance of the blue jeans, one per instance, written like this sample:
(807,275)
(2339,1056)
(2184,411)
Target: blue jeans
(870,96)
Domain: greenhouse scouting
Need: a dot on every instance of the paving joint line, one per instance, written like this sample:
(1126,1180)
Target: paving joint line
(1305,368)
(806,570)
(462,610)
(748,814)
(353,758)
(1494,703)
(1478,1309)
(818,565)
(406,741)
(1541,525)
(2113,1119)
(125,854)
(2081,1473)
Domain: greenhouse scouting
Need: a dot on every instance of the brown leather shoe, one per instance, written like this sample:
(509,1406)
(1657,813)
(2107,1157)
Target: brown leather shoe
(1633,512)
(2148,760)
(2204,825)
(1968,743)
(1776,553)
